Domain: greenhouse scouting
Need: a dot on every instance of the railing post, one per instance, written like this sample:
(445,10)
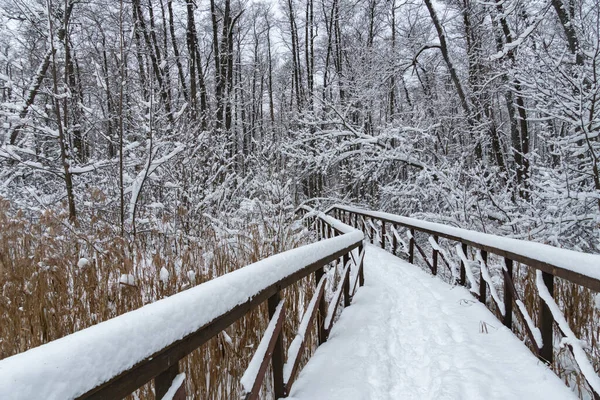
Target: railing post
(372,231)
(321,333)
(383,234)
(508,297)
(322,228)
(435,258)
(411,246)
(277,357)
(347,281)
(361,273)
(356,220)
(394,239)
(163,382)
(463,271)
(546,321)
(482,284)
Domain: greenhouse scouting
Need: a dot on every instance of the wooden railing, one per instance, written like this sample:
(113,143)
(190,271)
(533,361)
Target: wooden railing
(579,268)
(162,364)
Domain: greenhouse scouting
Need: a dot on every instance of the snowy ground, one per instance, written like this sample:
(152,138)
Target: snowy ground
(409,335)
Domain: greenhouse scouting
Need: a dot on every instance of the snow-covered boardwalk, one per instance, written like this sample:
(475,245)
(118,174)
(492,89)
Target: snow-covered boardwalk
(408,335)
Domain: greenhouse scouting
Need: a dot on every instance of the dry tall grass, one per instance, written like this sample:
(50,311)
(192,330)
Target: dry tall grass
(45,294)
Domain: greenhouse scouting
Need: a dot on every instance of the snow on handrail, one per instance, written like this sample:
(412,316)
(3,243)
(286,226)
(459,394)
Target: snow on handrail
(581,268)
(79,363)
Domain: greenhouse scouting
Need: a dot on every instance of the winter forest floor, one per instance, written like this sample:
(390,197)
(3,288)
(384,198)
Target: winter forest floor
(409,335)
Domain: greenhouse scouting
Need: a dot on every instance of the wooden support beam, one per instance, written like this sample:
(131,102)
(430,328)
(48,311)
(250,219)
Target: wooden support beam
(547,322)
(482,283)
(508,297)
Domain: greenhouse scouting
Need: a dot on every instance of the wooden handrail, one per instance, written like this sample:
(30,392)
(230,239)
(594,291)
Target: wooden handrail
(579,268)
(468,237)
(163,365)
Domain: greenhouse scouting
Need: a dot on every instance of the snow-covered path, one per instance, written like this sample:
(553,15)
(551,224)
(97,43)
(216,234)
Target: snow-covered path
(409,335)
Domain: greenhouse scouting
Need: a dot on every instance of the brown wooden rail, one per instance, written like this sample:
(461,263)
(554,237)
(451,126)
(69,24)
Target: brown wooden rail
(367,221)
(163,365)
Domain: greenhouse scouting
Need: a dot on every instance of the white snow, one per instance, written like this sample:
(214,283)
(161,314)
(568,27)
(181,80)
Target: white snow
(83,263)
(192,277)
(582,263)
(69,367)
(408,335)
(164,275)
(597,299)
(127,279)
(177,382)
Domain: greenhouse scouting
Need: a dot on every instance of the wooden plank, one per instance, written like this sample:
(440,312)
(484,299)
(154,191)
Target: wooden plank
(508,298)
(321,332)
(346,264)
(164,381)
(423,255)
(277,354)
(336,301)
(546,322)
(434,267)
(463,271)
(359,273)
(296,357)
(394,240)
(511,286)
(482,282)
(137,376)
(411,246)
(260,376)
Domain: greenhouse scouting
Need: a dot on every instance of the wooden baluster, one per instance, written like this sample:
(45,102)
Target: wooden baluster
(463,271)
(383,234)
(546,321)
(434,268)
(356,220)
(361,273)
(394,239)
(411,246)
(508,297)
(277,359)
(372,232)
(346,261)
(322,334)
(482,284)
(163,382)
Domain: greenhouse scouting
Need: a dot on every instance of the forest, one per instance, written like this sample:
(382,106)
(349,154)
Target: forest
(149,145)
